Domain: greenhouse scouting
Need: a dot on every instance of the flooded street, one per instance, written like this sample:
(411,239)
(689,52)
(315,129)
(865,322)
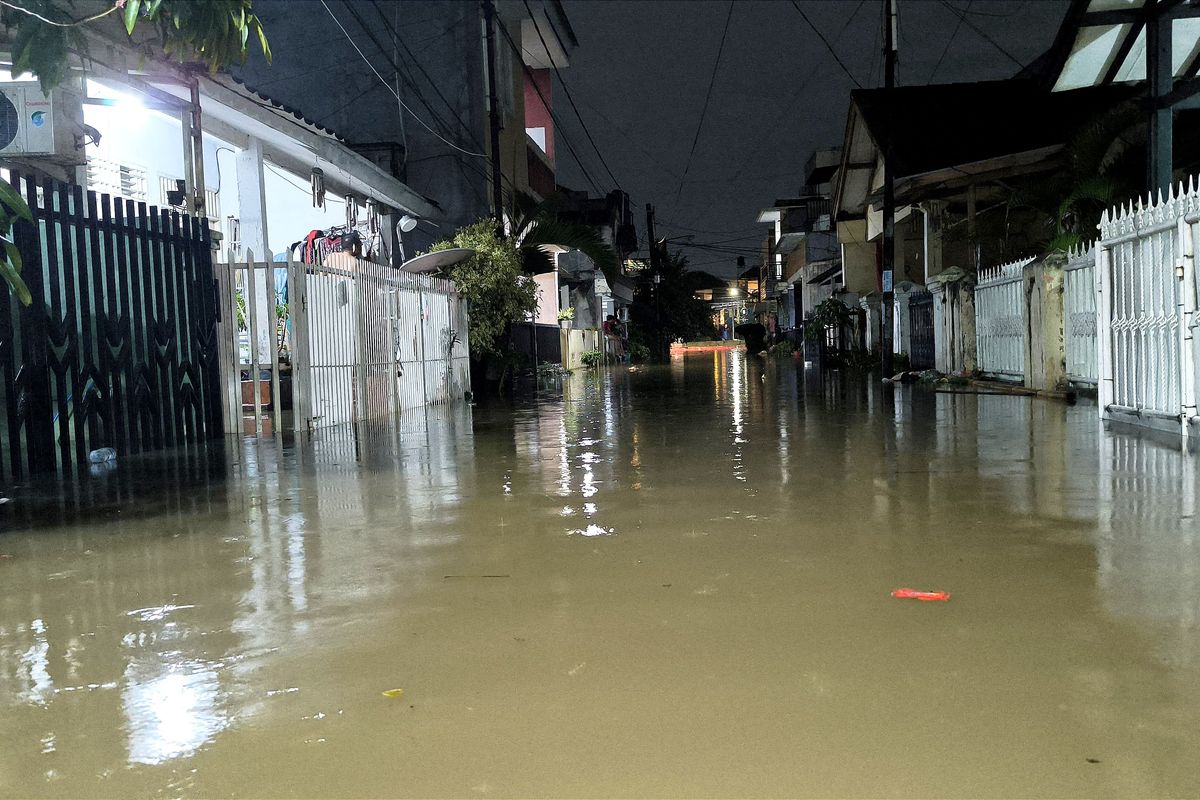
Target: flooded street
(671,581)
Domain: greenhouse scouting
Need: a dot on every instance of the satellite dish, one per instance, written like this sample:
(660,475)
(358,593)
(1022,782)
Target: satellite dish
(432,262)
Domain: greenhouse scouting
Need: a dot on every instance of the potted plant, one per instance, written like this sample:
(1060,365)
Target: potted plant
(564,318)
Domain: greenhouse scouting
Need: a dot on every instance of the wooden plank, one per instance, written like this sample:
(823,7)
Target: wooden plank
(11,315)
(78,295)
(116,364)
(168,269)
(157,332)
(94,330)
(37,422)
(56,322)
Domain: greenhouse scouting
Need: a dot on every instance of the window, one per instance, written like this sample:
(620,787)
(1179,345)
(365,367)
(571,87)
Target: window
(212,203)
(122,180)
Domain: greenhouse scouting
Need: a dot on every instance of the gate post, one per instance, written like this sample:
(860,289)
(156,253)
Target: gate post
(1187,308)
(1104,377)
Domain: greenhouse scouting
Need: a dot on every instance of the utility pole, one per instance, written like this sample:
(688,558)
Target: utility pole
(655,276)
(1161,80)
(489,23)
(889,188)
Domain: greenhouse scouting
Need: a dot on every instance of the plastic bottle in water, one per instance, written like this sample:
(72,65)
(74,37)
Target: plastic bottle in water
(102,455)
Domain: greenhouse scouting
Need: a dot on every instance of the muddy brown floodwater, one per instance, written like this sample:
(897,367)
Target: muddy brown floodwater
(663,582)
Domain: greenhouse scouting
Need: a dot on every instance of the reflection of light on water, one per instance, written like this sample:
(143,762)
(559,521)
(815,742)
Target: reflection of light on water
(155,613)
(736,365)
(296,572)
(171,715)
(783,450)
(592,530)
(564,461)
(36,661)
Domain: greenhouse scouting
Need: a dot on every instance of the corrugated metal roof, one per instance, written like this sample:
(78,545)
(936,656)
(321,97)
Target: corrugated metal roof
(273,103)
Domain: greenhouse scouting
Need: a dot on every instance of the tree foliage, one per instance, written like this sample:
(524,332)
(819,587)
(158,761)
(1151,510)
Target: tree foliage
(676,313)
(44,34)
(536,225)
(497,291)
(214,32)
(1102,165)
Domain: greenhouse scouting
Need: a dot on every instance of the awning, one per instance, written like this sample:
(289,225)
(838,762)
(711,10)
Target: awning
(1107,42)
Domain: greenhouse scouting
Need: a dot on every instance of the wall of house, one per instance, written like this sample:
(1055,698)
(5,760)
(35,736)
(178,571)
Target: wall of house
(537,114)
(859,259)
(333,86)
(152,142)
(547,288)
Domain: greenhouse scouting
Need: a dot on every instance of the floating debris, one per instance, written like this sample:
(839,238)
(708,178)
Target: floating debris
(913,594)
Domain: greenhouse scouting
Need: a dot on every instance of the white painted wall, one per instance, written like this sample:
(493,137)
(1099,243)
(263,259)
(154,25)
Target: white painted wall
(153,141)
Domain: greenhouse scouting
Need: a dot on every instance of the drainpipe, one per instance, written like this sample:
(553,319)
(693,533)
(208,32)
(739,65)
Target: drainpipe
(924,241)
(199,197)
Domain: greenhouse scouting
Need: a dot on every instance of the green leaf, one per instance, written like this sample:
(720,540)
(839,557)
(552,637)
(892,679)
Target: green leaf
(262,39)
(14,201)
(10,267)
(131,15)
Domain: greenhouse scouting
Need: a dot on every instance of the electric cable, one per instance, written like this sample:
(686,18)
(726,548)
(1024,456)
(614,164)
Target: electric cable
(949,42)
(982,34)
(392,90)
(825,42)
(562,133)
(707,96)
(570,98)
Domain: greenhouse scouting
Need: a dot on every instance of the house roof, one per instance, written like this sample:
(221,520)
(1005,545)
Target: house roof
(275,104)
(1104,42)
(950,126)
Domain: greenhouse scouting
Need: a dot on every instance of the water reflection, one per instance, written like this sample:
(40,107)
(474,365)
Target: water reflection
(720,499)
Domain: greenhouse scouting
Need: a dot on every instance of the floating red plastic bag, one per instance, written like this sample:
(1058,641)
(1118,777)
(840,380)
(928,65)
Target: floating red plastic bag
(913,594)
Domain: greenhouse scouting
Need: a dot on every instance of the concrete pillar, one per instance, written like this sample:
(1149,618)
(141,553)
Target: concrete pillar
(873,305)
(941,328)
(967,346)
(933,238)
(953,321)
(252,205)
(1045,351)
(903,332)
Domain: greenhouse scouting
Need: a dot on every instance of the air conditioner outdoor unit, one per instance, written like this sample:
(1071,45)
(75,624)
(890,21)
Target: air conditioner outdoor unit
(34,125)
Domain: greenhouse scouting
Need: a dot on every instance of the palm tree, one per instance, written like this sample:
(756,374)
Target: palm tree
(1102,166)
(535,226)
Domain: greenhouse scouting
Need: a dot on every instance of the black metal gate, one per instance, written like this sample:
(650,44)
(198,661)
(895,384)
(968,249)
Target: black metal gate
(920,330)
(119,347)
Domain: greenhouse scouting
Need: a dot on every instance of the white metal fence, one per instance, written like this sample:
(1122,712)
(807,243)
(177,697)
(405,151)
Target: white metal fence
(344,341)
(1079,316)
(1147,304)
(1000,320)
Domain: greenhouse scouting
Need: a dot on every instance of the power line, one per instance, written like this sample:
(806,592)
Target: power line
(392,90)
(420,67)
(437,116)
(699,230)
(828,46)
(707,96)
(963,18)
(567,90)
(949,42)
(562,134)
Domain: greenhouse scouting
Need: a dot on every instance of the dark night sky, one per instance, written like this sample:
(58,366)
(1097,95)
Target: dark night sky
(642,68)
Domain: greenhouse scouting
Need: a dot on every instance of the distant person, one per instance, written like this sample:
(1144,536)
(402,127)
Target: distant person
(612,333)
